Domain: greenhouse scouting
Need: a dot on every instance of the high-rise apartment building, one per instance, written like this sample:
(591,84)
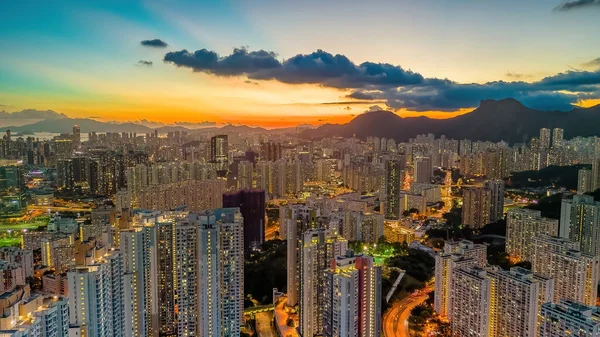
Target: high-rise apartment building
(221,272)
(423,170)
(294,221)
(545,138)
(496,188)
(469,302)
(557,137)
(462,254)
(318,248)
(96,307)
(516,297)
(522,226)
(575,274)
(393,179)
(477,205)
(569,318)
(580,222)
(585,181)
(140,263)
(219,153)
(595,174)
(352,291)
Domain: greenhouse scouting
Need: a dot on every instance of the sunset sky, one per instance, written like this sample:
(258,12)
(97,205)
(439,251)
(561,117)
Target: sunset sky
(281,63)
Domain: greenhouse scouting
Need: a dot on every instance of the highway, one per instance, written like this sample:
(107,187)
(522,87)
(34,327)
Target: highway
(395,321)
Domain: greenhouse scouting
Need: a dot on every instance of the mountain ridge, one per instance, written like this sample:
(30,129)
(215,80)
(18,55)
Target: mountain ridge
(494,120)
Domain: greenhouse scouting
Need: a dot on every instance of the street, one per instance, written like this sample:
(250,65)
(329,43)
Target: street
(395,321)
(263,325)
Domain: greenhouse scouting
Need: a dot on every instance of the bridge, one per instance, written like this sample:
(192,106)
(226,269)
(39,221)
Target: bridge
(260,308)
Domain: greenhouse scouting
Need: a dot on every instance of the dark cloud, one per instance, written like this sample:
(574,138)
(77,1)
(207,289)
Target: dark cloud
(352,102)
(240,62)
(319,67)
(568,5)
(392,85)
(154,43)
(144,63)
(251,82)
(593,63)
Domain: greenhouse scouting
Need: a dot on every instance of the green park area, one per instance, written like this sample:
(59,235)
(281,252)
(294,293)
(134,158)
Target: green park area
(10,241)
(11,228)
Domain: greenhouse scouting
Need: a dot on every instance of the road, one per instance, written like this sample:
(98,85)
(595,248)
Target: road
(270,232)
(282,316)
(395,321)
(263,325)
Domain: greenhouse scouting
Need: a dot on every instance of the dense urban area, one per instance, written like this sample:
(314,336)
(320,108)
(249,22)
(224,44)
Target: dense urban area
(244,232)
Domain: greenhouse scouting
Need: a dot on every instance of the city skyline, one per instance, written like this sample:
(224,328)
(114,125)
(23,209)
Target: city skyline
(127,61)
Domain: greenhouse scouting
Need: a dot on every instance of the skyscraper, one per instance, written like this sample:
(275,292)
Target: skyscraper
(137,245)
(393,179)
(585,181)
(462,254)
(496,188)
(294,221)
(352,291)
(516,297)
(186,278)
(522,225)
(219,153)
(211,277)
(96,305)
(423,170)
(545,138)
(580,222)
(469,302)
(477,205)
(557,137)
(76,137)
(318,248)
(575,274)
(252,206)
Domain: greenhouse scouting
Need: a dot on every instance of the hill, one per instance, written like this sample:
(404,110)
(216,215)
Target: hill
(506,119)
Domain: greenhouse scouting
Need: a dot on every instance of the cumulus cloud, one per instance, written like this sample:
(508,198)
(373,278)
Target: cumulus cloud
(144,63)
(568,5)
(392,84)
(158,43)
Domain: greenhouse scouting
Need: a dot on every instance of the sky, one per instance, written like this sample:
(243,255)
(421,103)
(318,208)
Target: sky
(281,62)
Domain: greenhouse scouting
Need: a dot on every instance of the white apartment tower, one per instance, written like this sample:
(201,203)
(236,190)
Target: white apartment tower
(580,222)
(96,306)
(470,302)
(575,274)
(522,225)
(461,254)
(317,250)
(352,291)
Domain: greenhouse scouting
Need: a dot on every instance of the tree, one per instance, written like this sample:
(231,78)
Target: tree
(289,322)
